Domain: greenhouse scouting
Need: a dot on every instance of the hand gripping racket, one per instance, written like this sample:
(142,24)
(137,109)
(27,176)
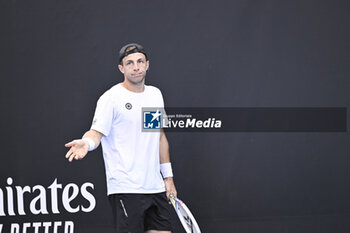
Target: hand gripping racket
(185,215)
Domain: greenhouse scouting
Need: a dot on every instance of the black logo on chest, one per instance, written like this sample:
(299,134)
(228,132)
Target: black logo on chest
(128,106)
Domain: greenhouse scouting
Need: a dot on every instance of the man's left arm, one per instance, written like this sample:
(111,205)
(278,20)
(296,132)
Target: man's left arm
(165,165)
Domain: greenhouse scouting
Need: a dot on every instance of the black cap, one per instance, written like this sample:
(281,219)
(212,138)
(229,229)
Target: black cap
(129,49)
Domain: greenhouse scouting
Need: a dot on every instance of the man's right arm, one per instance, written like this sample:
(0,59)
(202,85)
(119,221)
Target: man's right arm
(80,147)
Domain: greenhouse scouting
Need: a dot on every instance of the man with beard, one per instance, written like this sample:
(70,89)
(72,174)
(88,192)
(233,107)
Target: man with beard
(138,169)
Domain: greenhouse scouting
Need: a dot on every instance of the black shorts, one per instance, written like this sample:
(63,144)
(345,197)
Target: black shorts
(137,213)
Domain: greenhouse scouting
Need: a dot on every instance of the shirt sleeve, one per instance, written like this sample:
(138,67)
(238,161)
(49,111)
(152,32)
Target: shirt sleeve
(164,114)
(104,114)
(161,97)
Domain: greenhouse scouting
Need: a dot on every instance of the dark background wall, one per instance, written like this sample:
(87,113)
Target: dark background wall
(58,57)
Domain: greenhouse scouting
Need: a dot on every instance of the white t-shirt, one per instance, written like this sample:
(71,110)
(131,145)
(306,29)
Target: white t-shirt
(131,156)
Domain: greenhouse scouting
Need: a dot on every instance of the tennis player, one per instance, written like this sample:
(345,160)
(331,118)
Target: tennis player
(138,169)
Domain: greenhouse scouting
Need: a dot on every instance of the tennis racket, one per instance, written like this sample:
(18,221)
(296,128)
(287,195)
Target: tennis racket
(186,218)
